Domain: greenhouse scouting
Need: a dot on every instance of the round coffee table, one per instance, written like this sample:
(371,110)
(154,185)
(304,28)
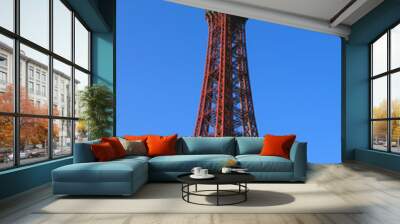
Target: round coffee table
(238,179)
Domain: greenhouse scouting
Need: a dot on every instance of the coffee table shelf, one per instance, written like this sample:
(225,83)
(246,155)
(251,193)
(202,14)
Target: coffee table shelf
(240,180)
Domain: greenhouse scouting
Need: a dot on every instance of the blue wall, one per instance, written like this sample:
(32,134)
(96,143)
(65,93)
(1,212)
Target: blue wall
(99,15)
(24,178)
(356,117)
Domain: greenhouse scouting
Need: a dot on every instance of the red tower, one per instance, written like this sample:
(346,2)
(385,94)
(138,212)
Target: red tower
(226,105)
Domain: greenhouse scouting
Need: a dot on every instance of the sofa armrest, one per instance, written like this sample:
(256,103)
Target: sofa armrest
(83,152)
(298,155)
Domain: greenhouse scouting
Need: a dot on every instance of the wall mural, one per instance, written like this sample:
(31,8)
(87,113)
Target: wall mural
(193,72)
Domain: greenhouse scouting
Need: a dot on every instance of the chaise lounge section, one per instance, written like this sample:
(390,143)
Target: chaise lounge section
(125,176)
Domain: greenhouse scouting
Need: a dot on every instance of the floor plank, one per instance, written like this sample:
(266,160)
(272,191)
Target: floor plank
(378,191)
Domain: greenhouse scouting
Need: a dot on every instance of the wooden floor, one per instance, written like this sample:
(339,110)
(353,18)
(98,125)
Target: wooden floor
(379,189)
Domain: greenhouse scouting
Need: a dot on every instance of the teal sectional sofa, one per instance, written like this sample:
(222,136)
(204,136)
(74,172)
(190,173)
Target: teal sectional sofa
(125,176)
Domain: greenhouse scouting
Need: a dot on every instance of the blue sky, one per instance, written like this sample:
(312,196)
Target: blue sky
(294,74)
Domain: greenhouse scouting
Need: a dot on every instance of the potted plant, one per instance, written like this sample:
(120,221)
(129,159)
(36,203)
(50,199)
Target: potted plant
(96,102)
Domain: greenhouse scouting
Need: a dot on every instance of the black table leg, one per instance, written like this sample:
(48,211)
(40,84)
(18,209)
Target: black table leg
(188,190)
(245,193)
(195,188)
(217,194)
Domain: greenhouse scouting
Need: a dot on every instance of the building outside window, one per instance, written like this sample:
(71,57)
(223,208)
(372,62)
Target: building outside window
(3,72)
(30,72)
(3,61)
(43,90)
(30,87)
(35,71)
(385,91)
(3,78)
(37,75)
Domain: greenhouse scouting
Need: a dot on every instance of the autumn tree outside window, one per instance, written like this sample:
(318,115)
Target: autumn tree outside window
(44,65)
(385,91)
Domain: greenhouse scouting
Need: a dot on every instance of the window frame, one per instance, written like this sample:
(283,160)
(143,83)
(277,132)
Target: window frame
(388,74)
(16,115)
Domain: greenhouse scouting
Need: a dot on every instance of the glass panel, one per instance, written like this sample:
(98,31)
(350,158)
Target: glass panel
(33,140)
(395,94)
(6,142)
(81,45)
(379,55)
(62,29)
(62,138)
(395,136)
(379,135)
(81,131)
(35,21)
(34,79)
(6,74)
(7,14)
(395,47)
(62,89)
(379,97)
(81,82)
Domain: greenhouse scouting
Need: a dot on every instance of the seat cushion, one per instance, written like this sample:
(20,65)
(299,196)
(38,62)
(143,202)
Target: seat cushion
(206,145)
(185,163)
(249,145)
(257,163)
(112,171)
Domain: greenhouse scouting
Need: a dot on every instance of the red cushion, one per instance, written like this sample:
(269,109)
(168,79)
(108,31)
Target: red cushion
(277,145)
(103,152)
(136,138)
(161,145)
(116,145)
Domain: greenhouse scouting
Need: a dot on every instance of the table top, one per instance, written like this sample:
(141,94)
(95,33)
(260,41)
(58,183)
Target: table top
(220,178)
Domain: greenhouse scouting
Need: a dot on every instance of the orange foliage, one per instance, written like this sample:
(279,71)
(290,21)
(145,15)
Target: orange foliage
(33,130)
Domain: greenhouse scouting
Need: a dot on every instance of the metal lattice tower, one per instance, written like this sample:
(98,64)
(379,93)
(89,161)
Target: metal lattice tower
(226,105)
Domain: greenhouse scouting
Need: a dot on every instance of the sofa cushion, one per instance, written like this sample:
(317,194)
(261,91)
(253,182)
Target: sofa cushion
(185,163)
(136,147)
(116,145)
(277,145)
(257,163)
(161,145)
(206,145)
(249,145)
(103,152)
(112,171)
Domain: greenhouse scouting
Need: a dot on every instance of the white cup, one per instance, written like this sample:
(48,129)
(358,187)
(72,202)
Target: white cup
(196,171)
(226,170)
(203,172)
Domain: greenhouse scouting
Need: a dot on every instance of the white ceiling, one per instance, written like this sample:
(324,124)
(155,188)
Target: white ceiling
(327,16)
(322,9)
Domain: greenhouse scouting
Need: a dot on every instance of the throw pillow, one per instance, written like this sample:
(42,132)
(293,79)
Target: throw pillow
(103,152)
(161,145)
(137,148)
(116,145)
(135,138)
(277,145)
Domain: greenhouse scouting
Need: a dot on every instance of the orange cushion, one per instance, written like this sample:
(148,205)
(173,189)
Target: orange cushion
(103,152)
(116,145)
(161,145)
(136,138)
(277,145)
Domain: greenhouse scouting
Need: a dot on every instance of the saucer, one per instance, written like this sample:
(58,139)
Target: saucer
(208,176)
